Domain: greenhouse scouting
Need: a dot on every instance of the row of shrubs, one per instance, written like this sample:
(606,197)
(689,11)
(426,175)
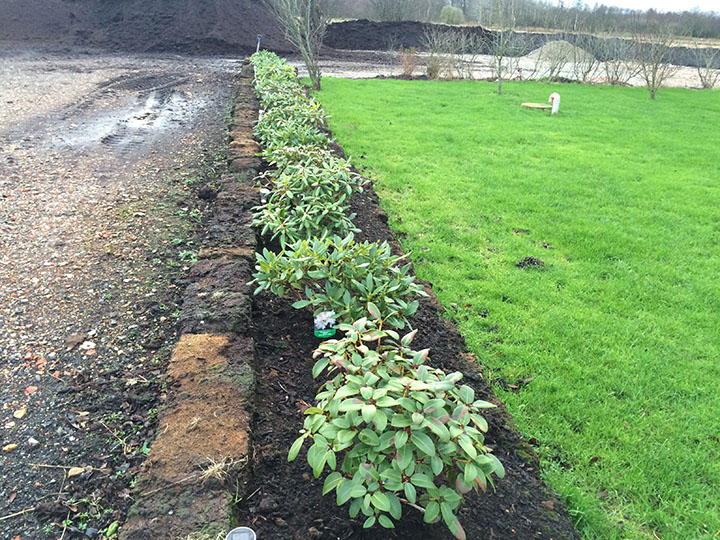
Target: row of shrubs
(392,430)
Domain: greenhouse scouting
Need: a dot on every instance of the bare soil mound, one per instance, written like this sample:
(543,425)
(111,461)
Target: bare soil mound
(187,26)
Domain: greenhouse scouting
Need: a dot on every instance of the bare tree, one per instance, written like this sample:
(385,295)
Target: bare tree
(707,63)
(442,48)
(501,45)
(654,56)
(392,10)
(585,63)
(304,22)
(618,60)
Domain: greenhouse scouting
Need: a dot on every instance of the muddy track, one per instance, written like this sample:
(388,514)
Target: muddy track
(100,162)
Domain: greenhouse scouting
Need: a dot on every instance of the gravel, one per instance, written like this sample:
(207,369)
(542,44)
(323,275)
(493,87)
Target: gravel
(100,161)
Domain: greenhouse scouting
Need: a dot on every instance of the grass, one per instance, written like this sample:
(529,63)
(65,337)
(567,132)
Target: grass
(619,196)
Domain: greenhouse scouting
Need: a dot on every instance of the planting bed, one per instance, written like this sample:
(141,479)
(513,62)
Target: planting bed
(284,501)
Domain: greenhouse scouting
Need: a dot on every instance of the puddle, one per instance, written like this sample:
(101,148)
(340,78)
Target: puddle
(142,120)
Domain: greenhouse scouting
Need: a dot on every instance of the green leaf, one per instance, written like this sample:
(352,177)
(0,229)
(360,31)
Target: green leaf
(386,522)
(295,448)
(351,405)
(331,482)
(470,473)
(466,444)
(422,480)
(369,522)
(395,506)
(319,366)
(448,516)
(313,410)
(380,421)
(368,412)
(439,429)
(432,510)
(373,310)
(404,456)
(407,338)
(301,303)
(343,491)
(467,394)
(357,490)
(355,508)
(369,437)
(401,438)
(437,465)
(381,501)
(423,443)
(458,531)
(410,492)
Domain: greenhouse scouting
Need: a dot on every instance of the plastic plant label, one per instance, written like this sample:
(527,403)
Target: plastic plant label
(324,323)
(241,533)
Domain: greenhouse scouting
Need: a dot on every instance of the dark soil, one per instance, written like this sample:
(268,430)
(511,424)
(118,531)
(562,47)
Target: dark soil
(196,26)
(386,36)
(285,501)
(530,262)
(210,27)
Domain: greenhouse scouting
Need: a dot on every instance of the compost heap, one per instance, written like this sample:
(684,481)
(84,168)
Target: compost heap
(187,26)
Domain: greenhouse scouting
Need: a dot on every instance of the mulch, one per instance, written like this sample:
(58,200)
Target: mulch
(285,501)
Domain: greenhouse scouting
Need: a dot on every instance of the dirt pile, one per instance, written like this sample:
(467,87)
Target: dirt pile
(559,50)
(187,26)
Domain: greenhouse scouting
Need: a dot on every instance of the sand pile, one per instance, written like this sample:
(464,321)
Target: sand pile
(559,49)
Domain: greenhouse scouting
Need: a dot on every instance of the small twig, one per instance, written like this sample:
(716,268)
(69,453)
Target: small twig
(192,476)
(66,467)
(65,525)
(123,442)
(415,506)
(44,466)
(17,513)
(62,486)
(253,493)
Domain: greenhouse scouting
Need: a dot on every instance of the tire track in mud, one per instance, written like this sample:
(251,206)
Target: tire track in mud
(124,115)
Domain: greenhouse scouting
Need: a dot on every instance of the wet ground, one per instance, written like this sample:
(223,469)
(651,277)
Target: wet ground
(101,157)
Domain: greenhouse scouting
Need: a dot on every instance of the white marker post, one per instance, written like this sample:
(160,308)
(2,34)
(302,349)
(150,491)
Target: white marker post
(555,100)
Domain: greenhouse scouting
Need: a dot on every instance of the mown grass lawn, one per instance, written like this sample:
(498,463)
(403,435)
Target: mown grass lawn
(619,197)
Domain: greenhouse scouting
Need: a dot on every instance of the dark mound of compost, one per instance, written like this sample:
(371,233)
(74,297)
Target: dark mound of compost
(190,26)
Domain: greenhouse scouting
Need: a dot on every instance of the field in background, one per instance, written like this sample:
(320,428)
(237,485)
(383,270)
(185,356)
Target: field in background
(579,255)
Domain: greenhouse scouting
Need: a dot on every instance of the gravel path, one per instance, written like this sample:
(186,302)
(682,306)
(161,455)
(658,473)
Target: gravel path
(100,161)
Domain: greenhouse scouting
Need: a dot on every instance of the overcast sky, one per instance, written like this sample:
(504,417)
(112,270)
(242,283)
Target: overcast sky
(660,5)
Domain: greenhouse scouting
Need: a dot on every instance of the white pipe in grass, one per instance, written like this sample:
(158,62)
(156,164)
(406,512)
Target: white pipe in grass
(555,100)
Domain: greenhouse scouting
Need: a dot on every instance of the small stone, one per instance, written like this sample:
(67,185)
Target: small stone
(32,441)
(314,533)
(9,447)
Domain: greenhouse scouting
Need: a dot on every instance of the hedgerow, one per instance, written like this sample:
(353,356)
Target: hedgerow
(341,275)
(406,433)
(305,196)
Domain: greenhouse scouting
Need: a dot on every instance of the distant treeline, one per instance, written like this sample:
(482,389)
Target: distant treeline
(537,14)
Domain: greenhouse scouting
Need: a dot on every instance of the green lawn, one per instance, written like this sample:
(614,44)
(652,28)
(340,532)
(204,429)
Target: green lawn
(619,196)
